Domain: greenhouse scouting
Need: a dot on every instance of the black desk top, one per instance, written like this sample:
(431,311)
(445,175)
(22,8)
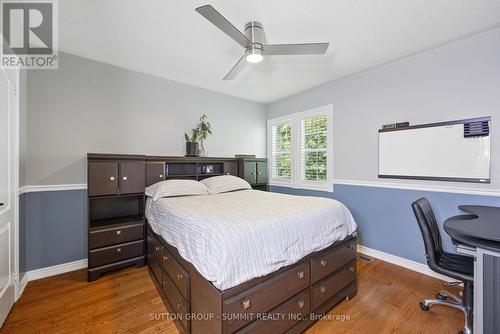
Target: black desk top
(479,228)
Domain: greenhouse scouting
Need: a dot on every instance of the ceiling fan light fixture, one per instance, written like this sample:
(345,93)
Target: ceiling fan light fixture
(253,55)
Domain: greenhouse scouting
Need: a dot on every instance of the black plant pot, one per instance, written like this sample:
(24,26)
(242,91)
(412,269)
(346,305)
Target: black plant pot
(192,149)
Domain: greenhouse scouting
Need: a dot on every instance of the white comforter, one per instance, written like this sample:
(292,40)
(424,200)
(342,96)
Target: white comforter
(233,237)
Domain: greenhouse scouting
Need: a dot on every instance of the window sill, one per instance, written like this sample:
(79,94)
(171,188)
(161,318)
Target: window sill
(325,188)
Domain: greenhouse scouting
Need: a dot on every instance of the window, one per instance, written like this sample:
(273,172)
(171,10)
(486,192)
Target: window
(300,149)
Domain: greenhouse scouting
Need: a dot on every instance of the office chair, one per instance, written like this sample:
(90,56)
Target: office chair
(453,265)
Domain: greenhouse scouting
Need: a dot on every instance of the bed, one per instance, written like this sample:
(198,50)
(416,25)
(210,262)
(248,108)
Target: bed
(250,261)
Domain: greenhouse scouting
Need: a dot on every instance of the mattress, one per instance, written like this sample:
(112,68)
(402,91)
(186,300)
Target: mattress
(233,237)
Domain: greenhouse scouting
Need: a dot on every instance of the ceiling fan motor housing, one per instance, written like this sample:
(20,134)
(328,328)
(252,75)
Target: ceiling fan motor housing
(254,31)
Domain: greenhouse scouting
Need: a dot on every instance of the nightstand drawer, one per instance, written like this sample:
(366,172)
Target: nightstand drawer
(102,256)
(326,263)
(116,235)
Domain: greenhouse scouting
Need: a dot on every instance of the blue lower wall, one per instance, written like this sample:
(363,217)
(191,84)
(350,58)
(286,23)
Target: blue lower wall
(385,218)
(53,228)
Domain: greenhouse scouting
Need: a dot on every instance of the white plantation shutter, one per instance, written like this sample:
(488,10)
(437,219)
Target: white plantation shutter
(314,148)
(281,151)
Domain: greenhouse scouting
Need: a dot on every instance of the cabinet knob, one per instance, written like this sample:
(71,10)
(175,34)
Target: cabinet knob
(323,263)
(157,248)
(118,250)
(258,173)
(179,277)
(253,173)
(300,274)
(179,305)
(161,176)
(322,289)
(300,304)
(353,247)
(165,258)
(118,232)
(111,178)
(247,304)
(124,178)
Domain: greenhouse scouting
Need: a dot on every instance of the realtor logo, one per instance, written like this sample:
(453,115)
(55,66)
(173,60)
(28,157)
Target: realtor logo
(29,34)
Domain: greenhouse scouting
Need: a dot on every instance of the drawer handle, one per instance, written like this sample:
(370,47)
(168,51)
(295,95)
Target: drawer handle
(351,269)
(157,248)
(164,282)
(323,263)
(118,250)
(124,178)
(247,304)
(118,232)
(179,277)
(353,247)
(179,305)
(165,258)
(322,289)
(300,274)
(111,178)
(300,304)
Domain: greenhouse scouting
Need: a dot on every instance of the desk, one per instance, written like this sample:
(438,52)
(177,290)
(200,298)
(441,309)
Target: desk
(478,234)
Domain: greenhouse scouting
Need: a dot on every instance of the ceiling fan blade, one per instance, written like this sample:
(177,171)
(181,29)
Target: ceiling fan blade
(236,69)
(295,49)
(211,14)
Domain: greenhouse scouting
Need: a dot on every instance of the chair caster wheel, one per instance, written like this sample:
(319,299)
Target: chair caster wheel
(424,307)
(440,296)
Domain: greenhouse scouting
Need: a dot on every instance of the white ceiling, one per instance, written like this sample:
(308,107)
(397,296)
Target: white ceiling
(167,38)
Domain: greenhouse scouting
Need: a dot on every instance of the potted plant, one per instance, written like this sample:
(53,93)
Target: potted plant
(198,135)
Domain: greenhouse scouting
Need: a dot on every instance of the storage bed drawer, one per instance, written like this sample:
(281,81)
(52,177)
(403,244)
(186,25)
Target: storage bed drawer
(267,295)
(291,312)
(326,263)
(179,306)
(177,274)
(331,285)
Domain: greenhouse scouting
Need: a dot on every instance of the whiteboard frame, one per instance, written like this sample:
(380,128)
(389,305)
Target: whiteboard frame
(435,178)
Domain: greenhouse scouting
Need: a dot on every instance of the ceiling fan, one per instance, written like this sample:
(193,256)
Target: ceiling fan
(253,40)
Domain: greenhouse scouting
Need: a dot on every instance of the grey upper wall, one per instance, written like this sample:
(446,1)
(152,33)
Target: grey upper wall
(88,106)
(454,81)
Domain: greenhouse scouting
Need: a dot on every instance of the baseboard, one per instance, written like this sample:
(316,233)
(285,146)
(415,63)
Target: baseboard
(55,270)
(22,284)
(402,262)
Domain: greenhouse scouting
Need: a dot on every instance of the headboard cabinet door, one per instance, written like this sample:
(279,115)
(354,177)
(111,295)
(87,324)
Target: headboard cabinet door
(132,177)
(155,172)
(102,178)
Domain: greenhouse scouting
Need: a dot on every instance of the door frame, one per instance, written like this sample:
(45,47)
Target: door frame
(13,75)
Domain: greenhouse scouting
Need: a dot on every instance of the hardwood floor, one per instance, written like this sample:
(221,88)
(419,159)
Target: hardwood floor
(125,302)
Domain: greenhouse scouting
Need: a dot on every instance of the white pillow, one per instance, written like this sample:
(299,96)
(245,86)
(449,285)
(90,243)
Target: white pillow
(225,183)
(171,188)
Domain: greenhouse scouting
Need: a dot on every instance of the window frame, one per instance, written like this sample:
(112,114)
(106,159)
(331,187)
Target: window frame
(296,150)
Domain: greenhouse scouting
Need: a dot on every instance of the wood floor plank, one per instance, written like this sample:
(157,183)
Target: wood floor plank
(126,301)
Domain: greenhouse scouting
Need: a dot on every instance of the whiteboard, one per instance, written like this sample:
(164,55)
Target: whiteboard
(439,151)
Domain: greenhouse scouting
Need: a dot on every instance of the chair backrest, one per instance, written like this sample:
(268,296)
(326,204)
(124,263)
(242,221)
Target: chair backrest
(430,231)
